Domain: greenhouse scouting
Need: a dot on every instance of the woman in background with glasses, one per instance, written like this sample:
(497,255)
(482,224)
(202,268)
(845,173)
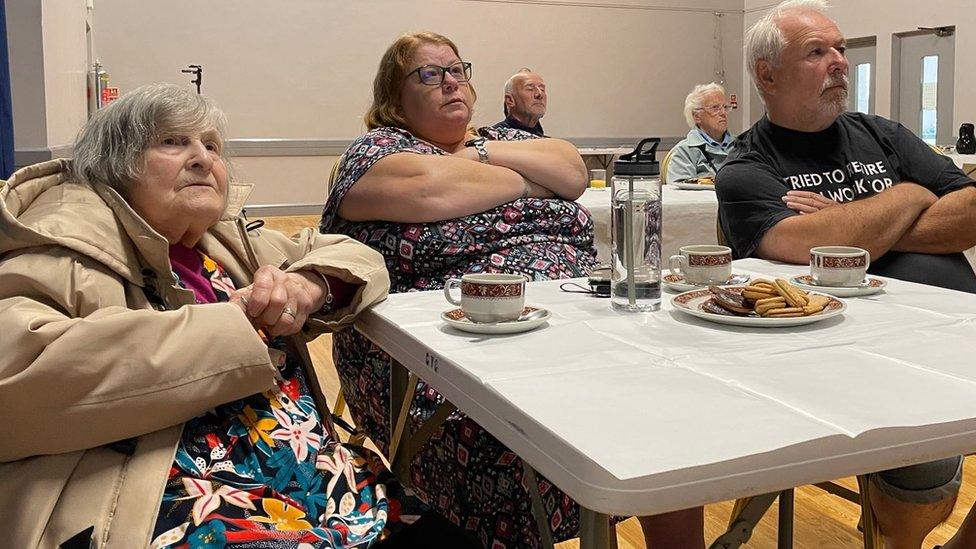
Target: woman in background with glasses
(440,199)
(709,142)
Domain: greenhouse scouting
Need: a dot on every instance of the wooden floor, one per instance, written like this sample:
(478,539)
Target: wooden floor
(822,521)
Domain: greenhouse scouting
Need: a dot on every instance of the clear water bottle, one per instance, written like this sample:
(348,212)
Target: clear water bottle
(635,278)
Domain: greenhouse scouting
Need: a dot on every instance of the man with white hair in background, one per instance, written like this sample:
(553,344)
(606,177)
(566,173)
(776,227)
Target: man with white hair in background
(809,174)
(525,102)
(707,145)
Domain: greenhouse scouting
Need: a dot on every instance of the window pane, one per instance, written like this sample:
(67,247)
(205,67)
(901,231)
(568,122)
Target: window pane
(863,98)
(930,93)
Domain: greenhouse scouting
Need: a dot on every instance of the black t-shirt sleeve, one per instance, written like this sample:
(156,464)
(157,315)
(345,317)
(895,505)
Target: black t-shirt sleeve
(750,202)
(920,164)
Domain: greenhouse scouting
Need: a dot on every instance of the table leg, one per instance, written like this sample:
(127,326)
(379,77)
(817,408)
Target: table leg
(538,509)
(785,528)
(402,387)
(871,533)
(594,529)
(415,441)
(745,516)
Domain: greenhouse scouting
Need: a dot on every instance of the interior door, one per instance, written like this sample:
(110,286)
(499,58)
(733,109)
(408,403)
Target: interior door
(924,102)
(861,57)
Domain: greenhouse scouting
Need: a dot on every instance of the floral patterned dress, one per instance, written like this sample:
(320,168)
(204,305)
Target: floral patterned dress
(264,471)
(464,472)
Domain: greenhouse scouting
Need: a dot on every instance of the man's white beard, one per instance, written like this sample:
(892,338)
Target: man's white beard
(836,103)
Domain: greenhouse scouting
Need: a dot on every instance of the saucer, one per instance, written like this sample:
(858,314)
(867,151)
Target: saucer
(871,285)
(676,283)
(689,186)
(456,319)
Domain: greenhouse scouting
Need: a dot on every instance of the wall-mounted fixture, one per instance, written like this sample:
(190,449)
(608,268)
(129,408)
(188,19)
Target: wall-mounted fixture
(196,70)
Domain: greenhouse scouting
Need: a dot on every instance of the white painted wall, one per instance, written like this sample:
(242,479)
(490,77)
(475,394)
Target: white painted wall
(883,18)
(304,68)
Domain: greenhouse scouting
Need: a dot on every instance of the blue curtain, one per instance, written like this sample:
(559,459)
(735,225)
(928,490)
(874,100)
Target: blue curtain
(6,110)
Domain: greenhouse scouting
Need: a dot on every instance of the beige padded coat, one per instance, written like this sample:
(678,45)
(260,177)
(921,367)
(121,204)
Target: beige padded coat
(85,360)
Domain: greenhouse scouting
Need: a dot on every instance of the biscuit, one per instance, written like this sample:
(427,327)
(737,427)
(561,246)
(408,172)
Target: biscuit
(785,312)
(763,310)
(757,296)
(815,304)
(764,305)
(776,299)
(792,295)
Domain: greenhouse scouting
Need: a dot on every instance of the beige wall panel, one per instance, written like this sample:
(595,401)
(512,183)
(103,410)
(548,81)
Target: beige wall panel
(65,66)
(304,68)
(284,179)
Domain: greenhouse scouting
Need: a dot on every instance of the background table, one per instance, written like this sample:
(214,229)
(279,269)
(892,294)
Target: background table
(688,218)
(966,162)
(643,414)
(604,155)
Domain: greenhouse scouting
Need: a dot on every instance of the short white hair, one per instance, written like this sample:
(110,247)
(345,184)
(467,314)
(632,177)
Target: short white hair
(765,40)
(696,97)
(510,85)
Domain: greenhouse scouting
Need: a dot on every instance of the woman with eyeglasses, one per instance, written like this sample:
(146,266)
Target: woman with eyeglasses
(440,199)
(709,142)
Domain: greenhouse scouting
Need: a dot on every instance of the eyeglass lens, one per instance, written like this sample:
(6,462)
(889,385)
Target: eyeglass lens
(715,109)
(433,75)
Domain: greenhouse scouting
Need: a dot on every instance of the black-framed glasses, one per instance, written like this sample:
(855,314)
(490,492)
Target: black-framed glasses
(715,109)
(432,75)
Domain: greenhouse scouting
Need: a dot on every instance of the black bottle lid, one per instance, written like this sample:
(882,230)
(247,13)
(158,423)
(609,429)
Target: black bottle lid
(641,161)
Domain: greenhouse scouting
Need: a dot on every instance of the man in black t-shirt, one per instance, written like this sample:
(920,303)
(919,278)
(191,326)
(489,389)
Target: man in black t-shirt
(808,174)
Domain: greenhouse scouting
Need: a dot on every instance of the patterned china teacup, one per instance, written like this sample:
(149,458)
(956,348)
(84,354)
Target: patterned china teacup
(838,265)
(702,264)
(491,297)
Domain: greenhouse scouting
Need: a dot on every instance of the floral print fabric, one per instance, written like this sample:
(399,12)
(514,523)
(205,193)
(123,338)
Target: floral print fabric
(464,472)
(265,472)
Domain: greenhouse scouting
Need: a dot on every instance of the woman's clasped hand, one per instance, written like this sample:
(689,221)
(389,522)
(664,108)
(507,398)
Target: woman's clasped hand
(280,302)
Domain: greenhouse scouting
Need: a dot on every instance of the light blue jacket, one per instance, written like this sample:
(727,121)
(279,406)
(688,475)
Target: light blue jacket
(689,161)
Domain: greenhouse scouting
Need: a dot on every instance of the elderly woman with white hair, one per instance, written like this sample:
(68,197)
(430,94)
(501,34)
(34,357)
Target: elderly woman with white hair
(154,386)
(707,145)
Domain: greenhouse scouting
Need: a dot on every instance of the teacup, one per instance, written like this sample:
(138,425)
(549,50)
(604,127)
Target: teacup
(838,265)
(702,264)
(489,297)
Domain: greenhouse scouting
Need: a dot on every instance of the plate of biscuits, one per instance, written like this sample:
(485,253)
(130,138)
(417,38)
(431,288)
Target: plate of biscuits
(763,303)
(705,183)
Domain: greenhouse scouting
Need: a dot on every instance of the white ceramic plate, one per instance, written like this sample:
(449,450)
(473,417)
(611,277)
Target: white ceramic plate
(690,303)
(871,285)
(692,186)
(456,319)
(676,283)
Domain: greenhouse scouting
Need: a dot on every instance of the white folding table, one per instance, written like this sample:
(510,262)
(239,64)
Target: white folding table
(635,414)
